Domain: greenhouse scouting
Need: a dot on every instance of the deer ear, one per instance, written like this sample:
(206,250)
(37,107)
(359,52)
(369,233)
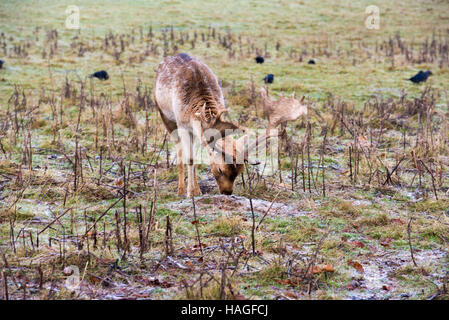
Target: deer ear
(302,99)
(293,95)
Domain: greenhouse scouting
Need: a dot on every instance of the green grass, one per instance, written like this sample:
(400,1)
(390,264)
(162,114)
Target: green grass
(300,25)
(366,221)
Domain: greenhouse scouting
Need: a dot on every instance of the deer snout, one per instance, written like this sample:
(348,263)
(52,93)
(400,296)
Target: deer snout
(226,192)
(225,187)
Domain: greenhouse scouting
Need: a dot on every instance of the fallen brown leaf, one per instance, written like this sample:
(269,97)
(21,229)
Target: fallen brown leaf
(291,294)
(321,269)
(119,182)
(328,268)
(356,265)
(285,282)
(385,242)
(349,287)
(358,244)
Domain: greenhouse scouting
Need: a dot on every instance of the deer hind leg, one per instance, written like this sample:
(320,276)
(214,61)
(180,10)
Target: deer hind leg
(175,136)
(181,184)
(284,138)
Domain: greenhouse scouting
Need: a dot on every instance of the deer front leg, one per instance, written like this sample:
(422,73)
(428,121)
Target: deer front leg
(192,185)
(187,152)
(195,182)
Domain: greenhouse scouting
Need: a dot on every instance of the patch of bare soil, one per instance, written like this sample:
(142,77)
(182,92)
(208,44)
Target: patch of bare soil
(377,277)
(207,204)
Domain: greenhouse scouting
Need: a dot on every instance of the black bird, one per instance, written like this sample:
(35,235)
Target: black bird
(259,59)
(102,75)
(420,76)
(311,61)
(269,78)
(1,63)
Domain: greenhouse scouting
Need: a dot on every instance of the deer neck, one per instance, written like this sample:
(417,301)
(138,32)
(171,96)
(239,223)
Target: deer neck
(266,100)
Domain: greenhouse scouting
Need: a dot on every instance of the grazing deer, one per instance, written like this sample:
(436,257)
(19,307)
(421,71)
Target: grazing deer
(282,110)
(191,104)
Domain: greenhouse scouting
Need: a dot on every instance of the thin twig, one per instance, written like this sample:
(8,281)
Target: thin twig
(410,241)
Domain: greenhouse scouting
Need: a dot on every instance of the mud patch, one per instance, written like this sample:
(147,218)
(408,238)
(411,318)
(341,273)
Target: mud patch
(379,281)
(235,204)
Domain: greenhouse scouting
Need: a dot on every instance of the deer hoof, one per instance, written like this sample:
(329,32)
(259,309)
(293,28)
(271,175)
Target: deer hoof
(193,193)
(181,192)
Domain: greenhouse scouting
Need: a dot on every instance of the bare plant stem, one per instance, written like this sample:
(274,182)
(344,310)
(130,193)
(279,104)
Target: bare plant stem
(410,241)
(196,222)
(253,227)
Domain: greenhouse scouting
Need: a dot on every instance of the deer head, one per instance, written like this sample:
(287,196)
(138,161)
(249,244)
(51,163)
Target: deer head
(225,174)
(223,150)
(228,158)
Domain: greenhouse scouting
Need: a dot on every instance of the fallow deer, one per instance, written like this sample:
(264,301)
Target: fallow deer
(282,110)
(191,103)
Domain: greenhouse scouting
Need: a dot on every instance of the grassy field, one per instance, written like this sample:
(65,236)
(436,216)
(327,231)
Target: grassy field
(358,209)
